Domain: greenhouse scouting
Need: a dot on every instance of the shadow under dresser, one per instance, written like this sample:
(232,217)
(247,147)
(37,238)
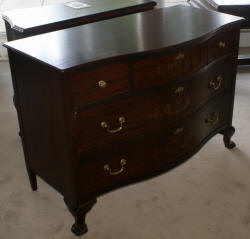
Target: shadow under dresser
(115,102)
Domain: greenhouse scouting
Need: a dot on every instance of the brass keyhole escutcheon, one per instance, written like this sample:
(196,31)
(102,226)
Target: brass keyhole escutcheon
(102,84)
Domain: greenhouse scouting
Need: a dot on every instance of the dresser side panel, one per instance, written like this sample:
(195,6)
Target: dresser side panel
(40,95)
(234,72)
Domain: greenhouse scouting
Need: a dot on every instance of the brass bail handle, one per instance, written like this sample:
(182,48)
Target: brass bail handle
(105,125)
(102,84)
(214,119)
(179,56)
(123,162)
(179,90)
(178,131)
(222,44)
(216,84)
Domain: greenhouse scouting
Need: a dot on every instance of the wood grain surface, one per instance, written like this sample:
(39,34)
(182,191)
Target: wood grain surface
(116,38)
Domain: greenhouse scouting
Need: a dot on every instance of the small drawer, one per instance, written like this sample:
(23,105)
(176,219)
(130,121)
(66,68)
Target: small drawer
(111,166)
(221,44)
(98,84)
(161,70)
(147,112)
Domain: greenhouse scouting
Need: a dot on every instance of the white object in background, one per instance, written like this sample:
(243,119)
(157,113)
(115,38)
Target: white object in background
(245,38)
(77,5)
(3,51)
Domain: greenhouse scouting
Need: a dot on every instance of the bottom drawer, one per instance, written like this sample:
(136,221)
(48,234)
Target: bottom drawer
(132,160)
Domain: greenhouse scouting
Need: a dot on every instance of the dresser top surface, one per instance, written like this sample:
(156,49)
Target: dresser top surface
(132,35)
(31,18)
(217,3)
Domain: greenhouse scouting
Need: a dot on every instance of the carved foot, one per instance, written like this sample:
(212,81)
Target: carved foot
(79,213)
(228,133)
(79,229)
(32,178)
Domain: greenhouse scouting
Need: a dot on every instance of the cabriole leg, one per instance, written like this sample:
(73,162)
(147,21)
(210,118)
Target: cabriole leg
(227,135)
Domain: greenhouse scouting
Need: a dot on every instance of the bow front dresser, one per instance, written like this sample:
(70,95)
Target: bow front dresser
(115,102)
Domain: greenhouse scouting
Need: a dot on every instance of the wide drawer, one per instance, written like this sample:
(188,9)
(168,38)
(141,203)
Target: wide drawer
(111,166)
(150,111)
(164,69)
(98,84)
(221,44)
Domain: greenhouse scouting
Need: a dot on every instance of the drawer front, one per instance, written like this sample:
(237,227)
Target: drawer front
(113,165)
(221,44)
(98,84)
(147,112)
(164,69)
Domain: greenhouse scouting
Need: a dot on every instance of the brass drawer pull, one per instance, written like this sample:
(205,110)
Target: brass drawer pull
(121,120)
(123,162)
(179,56)
(214,119)
(102,84)
(178,131)
(222,44)
(179,90)
(216,85)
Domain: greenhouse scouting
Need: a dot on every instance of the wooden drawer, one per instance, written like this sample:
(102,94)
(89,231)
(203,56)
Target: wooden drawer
(164,69)
(100,83)
(147,112)
(221,44)
(105,168)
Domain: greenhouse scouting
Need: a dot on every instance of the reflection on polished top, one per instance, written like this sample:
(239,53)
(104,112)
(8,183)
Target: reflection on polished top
(121,36)
(29,18)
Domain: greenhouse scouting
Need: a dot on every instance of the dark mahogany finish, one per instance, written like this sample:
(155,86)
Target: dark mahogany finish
(94,119)
(160,150)
(79,213)
(120,38)
(85,86)
(165,105)
(22,23)
(234,7)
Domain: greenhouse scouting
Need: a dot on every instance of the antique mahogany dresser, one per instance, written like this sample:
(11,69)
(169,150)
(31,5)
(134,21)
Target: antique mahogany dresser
(115,102)
(27,22)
